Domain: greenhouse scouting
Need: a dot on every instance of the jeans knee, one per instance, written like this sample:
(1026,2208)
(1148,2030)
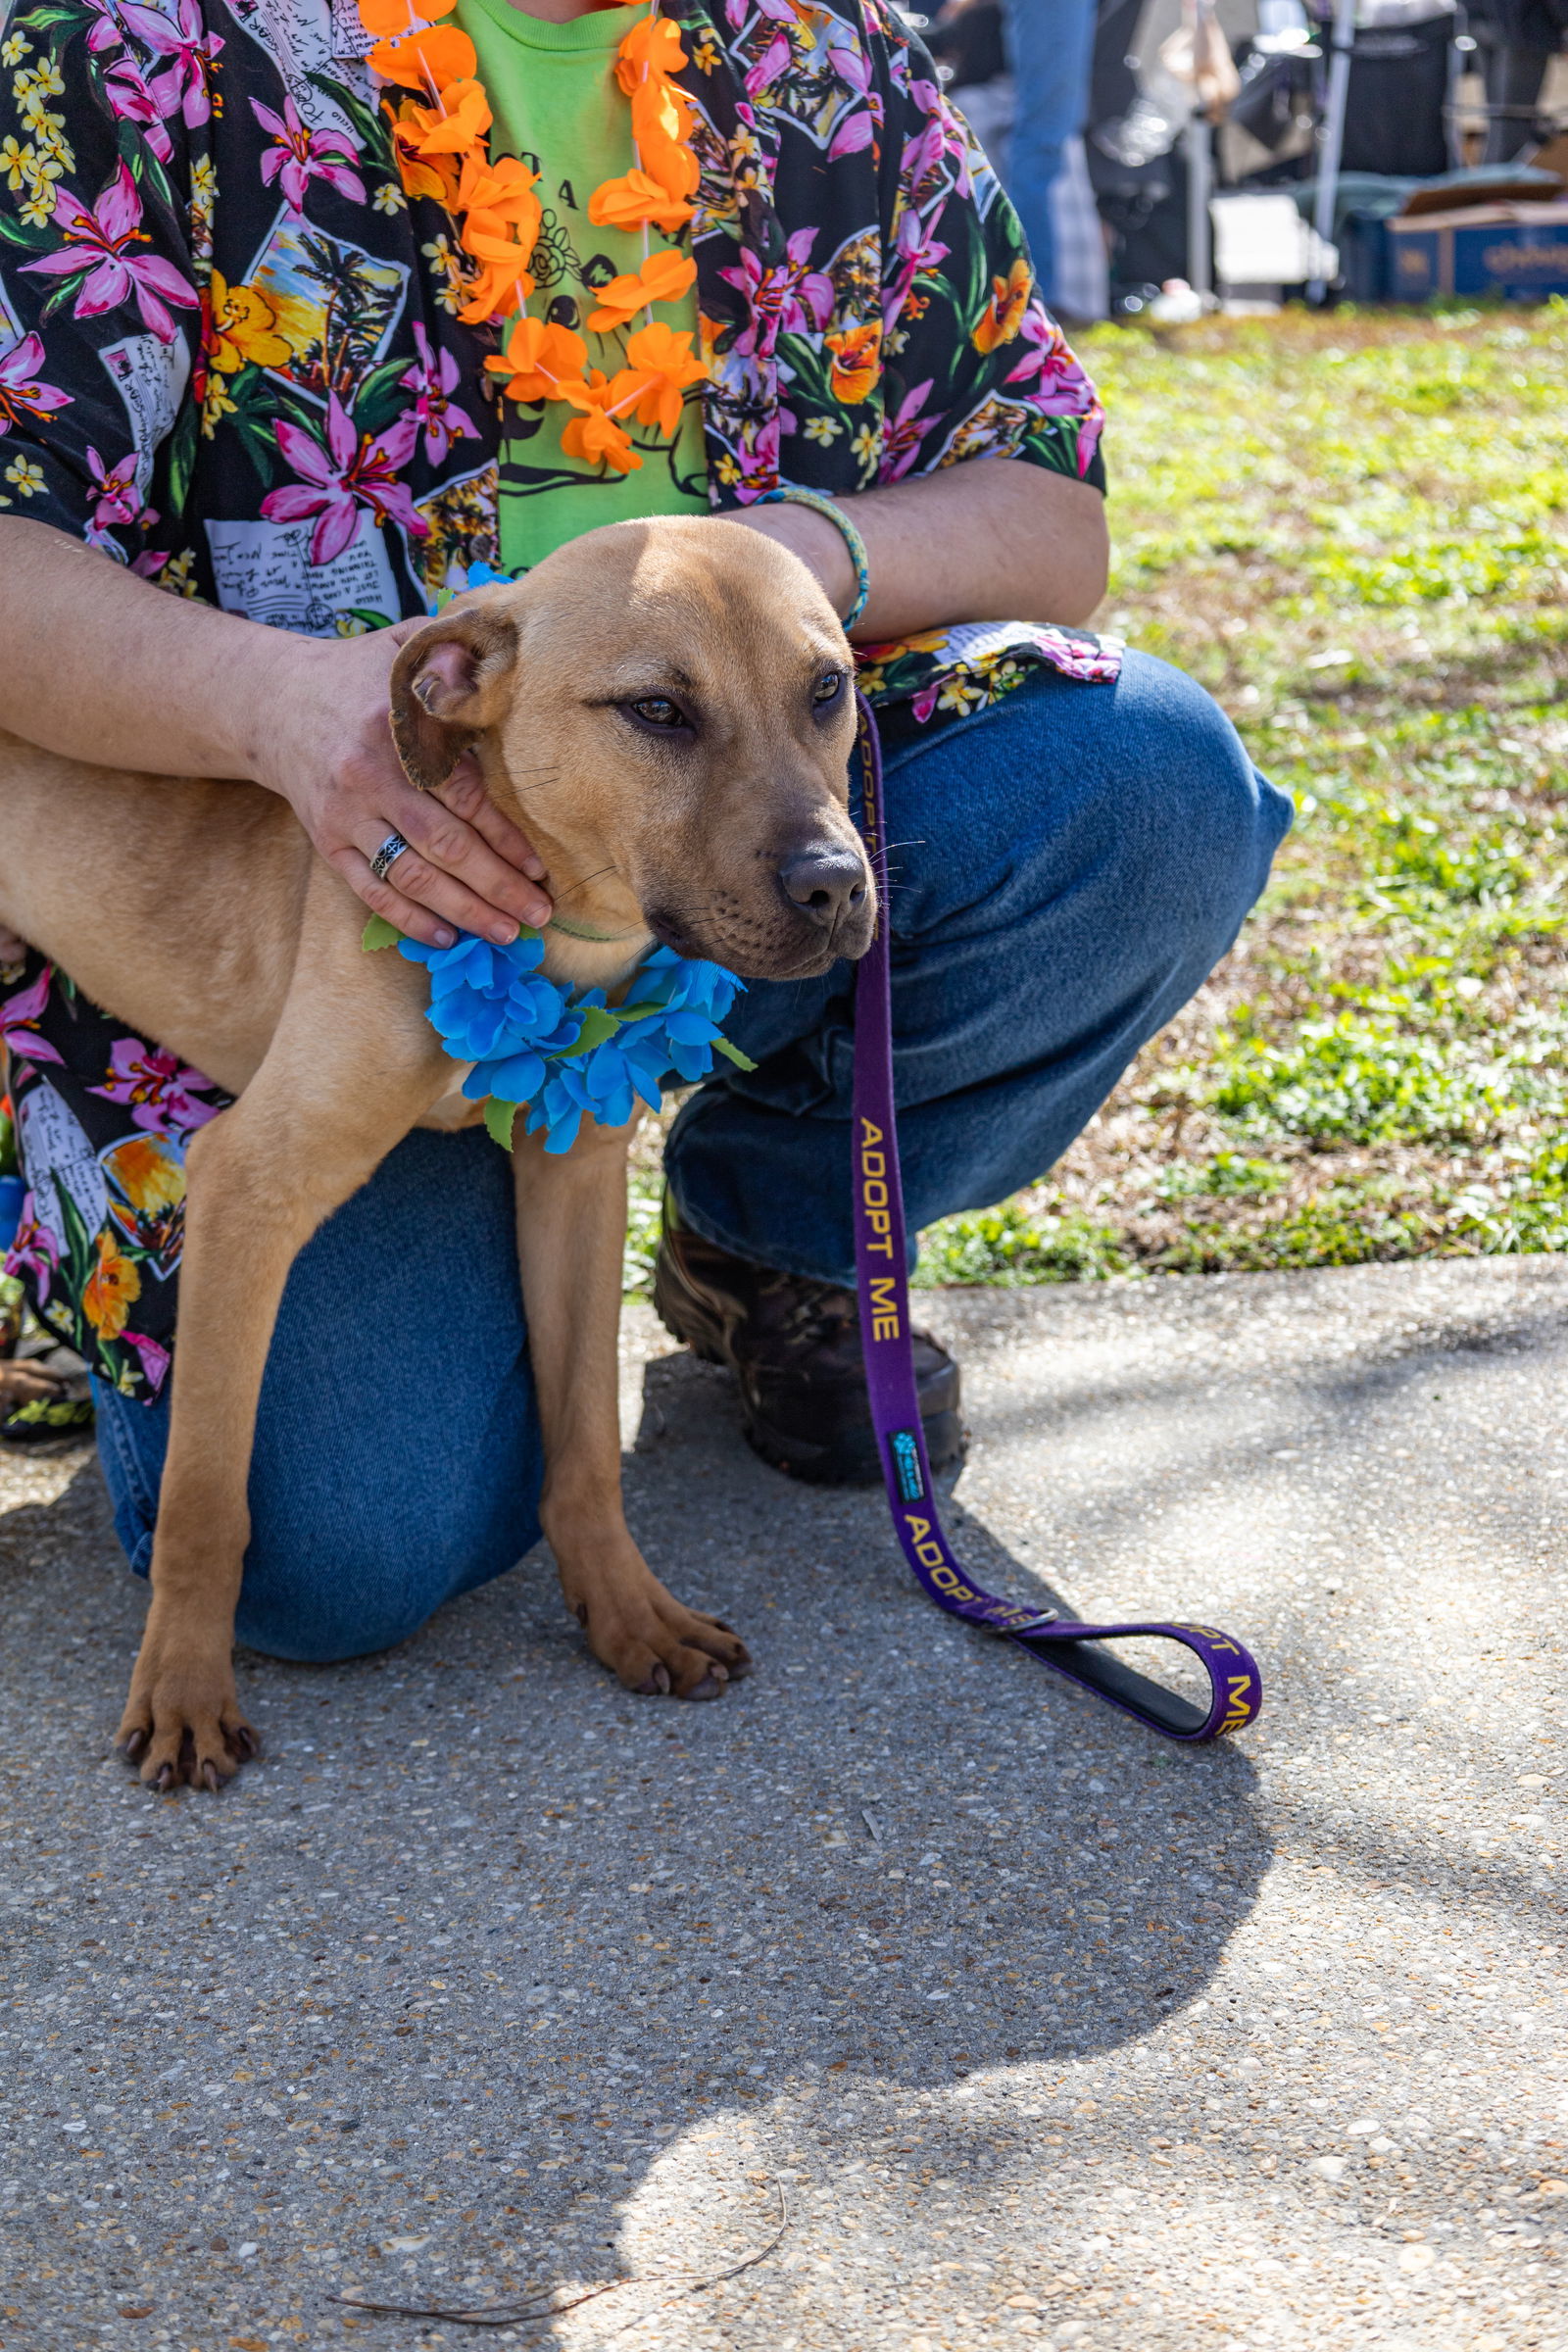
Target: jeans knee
(1198,825)
(317,1620)
(317,1593)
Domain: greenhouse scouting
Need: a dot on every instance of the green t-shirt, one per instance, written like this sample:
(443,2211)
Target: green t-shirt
(557,105)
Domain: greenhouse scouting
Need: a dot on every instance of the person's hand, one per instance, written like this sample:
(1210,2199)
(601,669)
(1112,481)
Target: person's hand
(323,742)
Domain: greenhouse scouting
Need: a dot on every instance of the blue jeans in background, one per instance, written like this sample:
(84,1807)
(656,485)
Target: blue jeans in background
(1069,866)
(1050,47)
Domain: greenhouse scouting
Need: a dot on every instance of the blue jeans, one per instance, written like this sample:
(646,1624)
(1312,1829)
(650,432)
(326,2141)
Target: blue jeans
(1070,866)
(1051,46)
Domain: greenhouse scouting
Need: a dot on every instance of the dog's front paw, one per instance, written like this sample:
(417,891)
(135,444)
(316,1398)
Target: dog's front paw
(182,1724)
(653,1643)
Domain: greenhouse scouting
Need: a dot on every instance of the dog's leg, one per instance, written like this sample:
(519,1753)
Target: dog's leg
(336,1092)
(571,1225)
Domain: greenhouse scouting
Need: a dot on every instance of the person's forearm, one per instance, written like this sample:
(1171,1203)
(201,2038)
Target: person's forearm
(991,539)
(99,664)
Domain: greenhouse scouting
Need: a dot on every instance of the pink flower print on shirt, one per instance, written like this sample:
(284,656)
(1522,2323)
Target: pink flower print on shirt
(903,434)
(434,378)
(352,470)
(791,296)
(23,396)
(1060,386)
(131,100)
(155,1357)
(35,1248)
(185,86)
(159,1089)
(17,1014)
(301,156)
(119,498)
(98,249)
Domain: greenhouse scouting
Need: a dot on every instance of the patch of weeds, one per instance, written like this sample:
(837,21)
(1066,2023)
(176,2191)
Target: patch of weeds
(1354,1079)
(645,1206)
(1307,521)
(1004,1247)
(1228,1176)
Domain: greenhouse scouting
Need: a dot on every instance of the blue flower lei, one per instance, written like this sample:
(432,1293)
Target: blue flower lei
(534,1042)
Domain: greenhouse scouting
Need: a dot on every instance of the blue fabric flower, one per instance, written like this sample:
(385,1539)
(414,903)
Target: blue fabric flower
(525,1035)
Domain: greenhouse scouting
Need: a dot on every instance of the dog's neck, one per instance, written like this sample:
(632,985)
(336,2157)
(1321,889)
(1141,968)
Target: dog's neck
(575,963)
(597,935)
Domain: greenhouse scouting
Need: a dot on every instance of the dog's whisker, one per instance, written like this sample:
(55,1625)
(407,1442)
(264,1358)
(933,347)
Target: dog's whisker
(595,876)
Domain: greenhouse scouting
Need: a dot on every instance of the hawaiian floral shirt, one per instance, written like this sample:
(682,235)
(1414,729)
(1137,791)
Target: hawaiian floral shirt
(229,357)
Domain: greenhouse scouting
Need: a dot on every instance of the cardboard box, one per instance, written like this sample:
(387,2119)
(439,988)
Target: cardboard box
(1518,250)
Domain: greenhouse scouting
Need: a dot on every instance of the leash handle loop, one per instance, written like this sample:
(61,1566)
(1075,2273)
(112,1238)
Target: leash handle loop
(1235,1687)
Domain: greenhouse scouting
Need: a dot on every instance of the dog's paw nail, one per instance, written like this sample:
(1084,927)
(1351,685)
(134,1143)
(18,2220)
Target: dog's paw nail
(133,1746)
(165,1777)
(579,1610)
(711,1684)
(655,1685)
(245,1744)
(208,1777)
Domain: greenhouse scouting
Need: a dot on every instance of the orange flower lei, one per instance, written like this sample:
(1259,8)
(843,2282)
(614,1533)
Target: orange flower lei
(439,140)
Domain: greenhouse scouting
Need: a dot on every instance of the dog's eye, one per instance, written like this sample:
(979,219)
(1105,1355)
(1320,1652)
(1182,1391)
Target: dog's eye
(829,686)
(658,711)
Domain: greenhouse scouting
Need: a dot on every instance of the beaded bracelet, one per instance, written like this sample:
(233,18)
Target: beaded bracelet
(789,495)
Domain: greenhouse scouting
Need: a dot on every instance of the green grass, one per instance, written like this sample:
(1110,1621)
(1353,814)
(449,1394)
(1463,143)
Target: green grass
(1354,530)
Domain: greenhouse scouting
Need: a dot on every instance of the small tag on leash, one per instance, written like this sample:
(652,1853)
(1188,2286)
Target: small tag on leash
(906,1465)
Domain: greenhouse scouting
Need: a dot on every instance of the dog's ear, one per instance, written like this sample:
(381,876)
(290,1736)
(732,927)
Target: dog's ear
(449,683)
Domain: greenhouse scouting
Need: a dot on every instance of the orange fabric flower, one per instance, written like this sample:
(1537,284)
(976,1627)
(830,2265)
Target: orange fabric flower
(662,129)
(436,176)
(111,1289)
(544,363)
(856,361)
(651,48)
(433,59)
(498,287)
(599,440)
(663,278)
(504,187)
(1003,316)
(637,200)
(662,355)
(660,109)
(453,128)
(387,18)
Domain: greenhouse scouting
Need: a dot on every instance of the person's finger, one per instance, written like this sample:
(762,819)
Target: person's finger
(421,881)
(449,845)
(414,921)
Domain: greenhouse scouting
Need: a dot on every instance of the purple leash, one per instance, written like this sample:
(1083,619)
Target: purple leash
(1235,1687)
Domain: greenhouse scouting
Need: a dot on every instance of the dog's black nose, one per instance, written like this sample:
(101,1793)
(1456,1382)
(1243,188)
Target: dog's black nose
(827,884)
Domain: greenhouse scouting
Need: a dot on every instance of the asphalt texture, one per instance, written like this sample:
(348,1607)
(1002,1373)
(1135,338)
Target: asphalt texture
(972,2010)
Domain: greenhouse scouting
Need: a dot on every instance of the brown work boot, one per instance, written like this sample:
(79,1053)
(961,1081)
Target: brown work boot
(793,1345)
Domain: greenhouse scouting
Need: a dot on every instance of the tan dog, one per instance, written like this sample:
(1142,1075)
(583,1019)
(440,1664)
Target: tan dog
(666,709)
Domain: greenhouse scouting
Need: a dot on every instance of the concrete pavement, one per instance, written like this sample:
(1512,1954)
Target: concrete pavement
(495,1985)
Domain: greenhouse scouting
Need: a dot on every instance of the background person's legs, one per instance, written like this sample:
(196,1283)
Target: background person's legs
(1051,44)
(398,1458)
(1069,867)
(1516,74)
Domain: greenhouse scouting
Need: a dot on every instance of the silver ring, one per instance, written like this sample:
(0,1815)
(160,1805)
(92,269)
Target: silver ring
(387,854)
